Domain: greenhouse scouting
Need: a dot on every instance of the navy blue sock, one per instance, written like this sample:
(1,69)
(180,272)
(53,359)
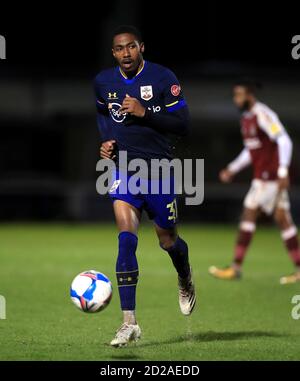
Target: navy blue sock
(127,270)
(179,253)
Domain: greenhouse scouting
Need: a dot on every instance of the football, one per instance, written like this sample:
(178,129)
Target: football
(91,291)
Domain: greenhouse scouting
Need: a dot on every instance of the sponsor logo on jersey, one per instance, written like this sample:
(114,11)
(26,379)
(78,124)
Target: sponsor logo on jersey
(252,143)
(175,90)
(275,129)
(114,110)
(146,92)
(154,109)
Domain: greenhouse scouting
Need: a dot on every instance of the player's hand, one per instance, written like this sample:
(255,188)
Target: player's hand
(226,175)
(283,183)
(132,106)
(106,149)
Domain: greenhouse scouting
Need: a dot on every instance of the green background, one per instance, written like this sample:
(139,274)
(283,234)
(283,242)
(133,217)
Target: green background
(240,320)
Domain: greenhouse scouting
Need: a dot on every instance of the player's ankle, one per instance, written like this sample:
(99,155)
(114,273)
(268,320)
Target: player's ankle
(129,317)
(236,266)
(186,277)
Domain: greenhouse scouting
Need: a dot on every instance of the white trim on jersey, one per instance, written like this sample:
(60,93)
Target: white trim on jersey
(285,149)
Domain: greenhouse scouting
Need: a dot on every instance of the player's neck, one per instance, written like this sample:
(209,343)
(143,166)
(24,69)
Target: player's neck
(252,103)
(133,73)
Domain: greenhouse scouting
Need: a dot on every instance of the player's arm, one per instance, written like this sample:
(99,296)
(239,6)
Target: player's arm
(174,120)
(103,124)
(269,122)
(107,142)
(242,161)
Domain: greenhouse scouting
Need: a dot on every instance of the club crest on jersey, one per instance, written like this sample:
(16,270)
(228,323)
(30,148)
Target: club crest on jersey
(146,92)
(175,90)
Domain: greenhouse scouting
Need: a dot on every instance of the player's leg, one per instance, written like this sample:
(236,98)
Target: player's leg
(289,235)
(246,230)
(176,247)
(253,202)
(127,219)
(162,208)
(245,234)
(178,251)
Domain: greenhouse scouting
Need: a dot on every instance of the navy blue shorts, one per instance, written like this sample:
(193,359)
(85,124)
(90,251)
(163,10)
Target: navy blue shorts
(161,206)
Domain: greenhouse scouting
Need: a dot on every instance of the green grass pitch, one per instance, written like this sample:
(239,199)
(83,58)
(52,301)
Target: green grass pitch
(241,320)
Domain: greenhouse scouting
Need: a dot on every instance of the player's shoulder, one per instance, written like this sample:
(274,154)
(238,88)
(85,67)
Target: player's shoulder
(160,70)
(263,110)
(105,76)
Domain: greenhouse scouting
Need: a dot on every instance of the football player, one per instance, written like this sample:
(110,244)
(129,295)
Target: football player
(139,104)
(268,148)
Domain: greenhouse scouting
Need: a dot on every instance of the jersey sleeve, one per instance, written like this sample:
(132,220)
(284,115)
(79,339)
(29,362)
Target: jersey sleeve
(240,162)
(285,150)
(269,122)
(103,119)
(175,119)
(172,92)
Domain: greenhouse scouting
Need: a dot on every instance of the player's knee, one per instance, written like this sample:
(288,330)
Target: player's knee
(127,226)
(249,215)
(279,216)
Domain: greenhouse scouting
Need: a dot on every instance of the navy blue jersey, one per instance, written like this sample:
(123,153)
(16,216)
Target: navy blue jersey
(158,90)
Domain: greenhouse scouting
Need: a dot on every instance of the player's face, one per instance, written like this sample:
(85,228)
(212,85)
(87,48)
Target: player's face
(127,51)
(241,97)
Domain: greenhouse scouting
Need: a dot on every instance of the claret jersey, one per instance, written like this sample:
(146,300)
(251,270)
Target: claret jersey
(260,129)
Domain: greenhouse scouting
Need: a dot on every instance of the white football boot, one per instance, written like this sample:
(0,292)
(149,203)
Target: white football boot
(187,295)
(126,334)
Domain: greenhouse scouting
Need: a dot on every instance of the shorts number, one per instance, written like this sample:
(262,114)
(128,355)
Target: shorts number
(173,210)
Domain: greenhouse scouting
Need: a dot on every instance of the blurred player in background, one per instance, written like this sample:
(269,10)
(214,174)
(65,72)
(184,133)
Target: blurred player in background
(139,103)
(268,147)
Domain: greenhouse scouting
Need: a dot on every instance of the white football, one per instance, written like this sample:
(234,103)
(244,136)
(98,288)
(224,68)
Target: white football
(91,291)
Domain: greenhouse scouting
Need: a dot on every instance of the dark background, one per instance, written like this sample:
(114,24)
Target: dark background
(49,141)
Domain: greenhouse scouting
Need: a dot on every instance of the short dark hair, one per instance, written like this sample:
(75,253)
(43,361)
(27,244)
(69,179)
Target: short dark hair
(250,84)
(128,29)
